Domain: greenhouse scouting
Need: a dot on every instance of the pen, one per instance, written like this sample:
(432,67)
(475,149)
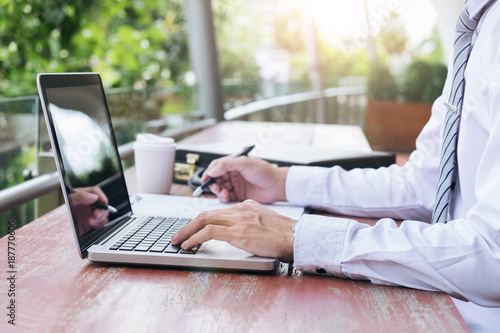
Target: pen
(98,204)
(212,180)
(101,205)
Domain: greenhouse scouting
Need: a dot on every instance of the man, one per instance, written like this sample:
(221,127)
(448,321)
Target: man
(460,256)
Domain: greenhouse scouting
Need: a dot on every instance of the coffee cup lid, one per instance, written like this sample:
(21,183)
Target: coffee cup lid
(151,141)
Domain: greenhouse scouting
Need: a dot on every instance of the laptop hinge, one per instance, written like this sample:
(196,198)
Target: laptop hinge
(112,233)
(118,224)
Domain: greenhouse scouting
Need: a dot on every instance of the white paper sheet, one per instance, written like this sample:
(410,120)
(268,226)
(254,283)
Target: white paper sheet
(183,206)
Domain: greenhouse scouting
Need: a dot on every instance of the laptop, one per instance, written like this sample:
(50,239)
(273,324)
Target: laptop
(90,171)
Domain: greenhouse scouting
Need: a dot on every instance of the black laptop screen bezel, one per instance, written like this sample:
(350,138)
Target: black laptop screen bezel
(65,80)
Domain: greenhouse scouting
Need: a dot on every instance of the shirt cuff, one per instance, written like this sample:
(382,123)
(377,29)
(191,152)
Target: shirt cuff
(304,185)
(318,244)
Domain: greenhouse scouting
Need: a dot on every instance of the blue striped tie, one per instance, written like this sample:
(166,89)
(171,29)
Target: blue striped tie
(447,168)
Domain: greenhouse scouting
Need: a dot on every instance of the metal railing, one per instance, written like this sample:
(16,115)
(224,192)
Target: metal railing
(342,105)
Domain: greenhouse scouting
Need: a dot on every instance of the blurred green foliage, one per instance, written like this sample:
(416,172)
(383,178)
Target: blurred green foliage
(13,163)
(139,43)
(336,61)
(381,84)
(420,80)
(131,43)
(288,31)
(237,41)
(392,38)
(423,81)
(341,62)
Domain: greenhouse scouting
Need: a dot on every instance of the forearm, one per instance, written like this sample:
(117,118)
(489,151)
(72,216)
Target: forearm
(385,192)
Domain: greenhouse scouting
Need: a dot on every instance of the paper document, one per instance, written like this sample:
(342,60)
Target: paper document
(183,206)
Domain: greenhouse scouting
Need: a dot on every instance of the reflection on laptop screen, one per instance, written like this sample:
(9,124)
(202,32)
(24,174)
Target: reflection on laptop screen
(90,163)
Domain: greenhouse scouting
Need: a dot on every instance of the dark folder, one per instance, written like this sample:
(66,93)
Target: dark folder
(190,157)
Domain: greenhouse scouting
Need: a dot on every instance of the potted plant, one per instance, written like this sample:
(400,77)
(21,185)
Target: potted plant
(396,113)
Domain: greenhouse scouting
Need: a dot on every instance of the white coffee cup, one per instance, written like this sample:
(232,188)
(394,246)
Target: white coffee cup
(154,163)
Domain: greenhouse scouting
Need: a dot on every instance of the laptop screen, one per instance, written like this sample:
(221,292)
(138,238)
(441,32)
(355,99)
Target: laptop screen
(84,144)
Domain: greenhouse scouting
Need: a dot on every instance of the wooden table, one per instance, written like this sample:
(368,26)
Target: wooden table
(324,136)
(56,291)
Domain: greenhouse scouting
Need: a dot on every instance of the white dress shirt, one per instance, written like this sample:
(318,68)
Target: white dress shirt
(462,257)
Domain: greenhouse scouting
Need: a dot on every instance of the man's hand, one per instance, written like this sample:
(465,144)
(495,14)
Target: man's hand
(89,217)
(248,226)
(246,177)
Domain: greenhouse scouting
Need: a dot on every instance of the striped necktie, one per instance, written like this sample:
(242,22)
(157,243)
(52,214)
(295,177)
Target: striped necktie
(448,168)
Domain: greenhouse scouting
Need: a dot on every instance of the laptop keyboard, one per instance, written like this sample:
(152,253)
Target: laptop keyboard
(153,234)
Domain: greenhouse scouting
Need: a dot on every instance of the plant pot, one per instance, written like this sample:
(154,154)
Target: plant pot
(394,126)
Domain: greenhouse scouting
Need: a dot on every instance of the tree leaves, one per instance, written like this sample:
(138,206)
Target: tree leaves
(126,41)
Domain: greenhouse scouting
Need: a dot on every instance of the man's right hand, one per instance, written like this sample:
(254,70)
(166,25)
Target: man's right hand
(89,217)
(246,177)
